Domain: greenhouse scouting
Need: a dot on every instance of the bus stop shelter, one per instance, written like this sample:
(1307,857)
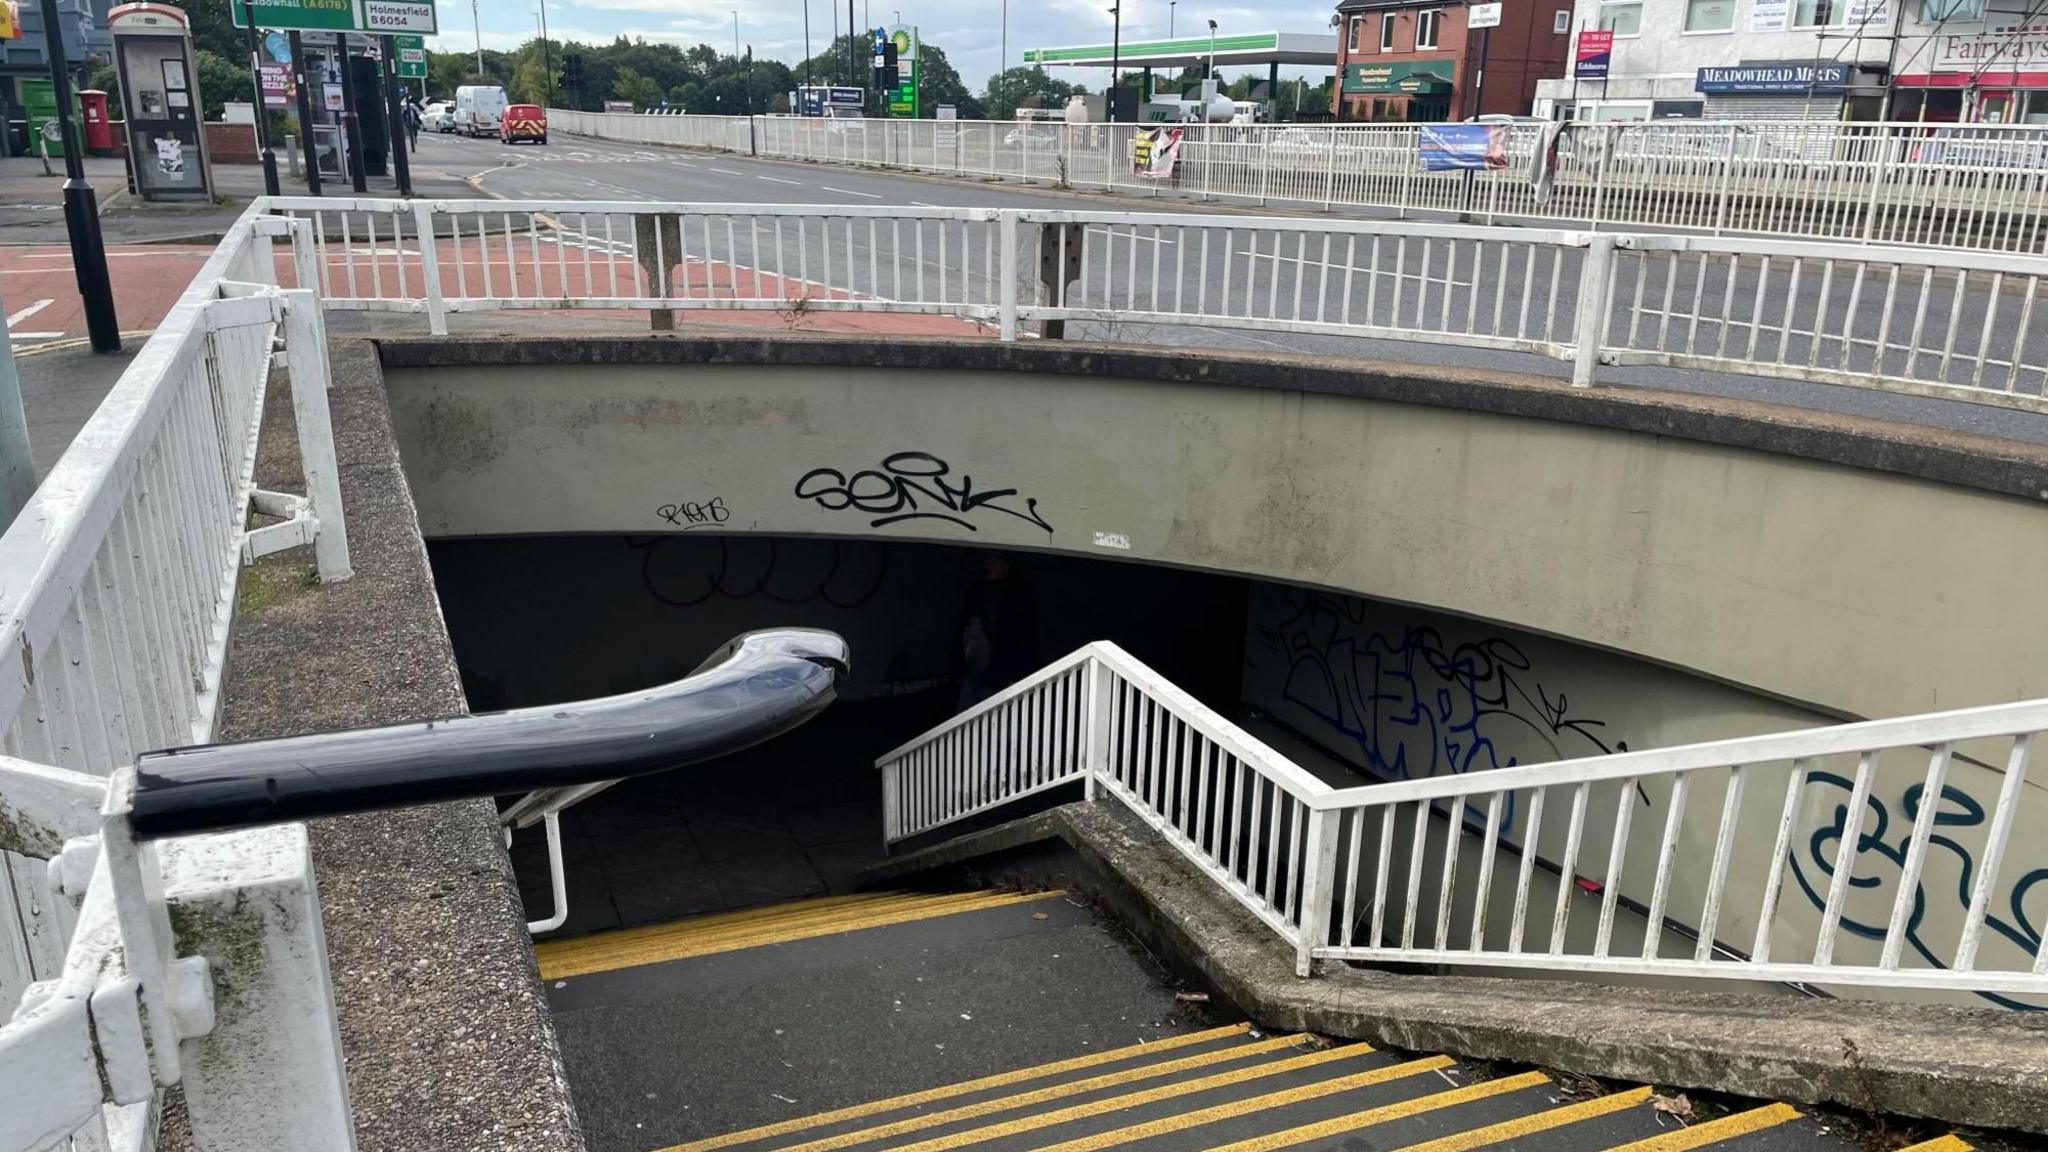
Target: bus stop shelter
(1243,50)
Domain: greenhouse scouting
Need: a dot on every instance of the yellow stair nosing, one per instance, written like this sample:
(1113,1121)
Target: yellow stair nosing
(1947,1142)
(585,955)
(1534,1122)
(1713,1131)
(1398,1110)
(1180,1122)
(962,1088)
(824,905)
(1052,1092)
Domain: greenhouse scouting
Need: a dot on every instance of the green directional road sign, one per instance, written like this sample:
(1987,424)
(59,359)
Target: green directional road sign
(412,57)
(382,17)
(318,15)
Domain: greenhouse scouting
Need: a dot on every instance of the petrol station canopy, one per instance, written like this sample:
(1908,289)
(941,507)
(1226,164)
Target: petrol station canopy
(1235,51)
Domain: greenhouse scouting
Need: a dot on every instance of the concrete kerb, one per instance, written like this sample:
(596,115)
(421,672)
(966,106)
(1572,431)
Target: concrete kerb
(1979,1067)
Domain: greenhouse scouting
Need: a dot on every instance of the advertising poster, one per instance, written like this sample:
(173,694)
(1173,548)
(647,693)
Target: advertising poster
(1154,150)
(1452,147)
(1770,15)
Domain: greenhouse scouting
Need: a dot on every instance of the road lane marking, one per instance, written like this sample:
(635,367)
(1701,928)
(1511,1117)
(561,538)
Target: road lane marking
(1114,235)
(27,312)
(12,335)
(1533,1123)
(922,204)
(850,192)
(1715,1131)
(727,172)
(780,180)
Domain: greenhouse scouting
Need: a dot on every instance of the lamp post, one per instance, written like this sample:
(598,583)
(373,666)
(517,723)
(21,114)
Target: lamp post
(1169,17)
(807,48)
(477,23)
(81,206)
(1212,49)
(547,63)
(1116,39)
(264,152)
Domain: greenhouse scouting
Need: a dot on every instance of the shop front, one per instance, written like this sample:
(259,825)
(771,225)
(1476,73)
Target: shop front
(1411,90)
(1978,77)
(1775,90)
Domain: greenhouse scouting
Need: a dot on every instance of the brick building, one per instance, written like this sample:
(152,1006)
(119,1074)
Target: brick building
(1417,60)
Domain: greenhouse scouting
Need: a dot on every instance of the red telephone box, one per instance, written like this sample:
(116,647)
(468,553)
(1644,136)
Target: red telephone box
(99,134)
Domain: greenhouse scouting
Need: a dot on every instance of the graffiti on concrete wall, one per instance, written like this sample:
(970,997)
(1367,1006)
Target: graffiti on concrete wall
(681,576)
(1881,861)
(1413,704)
(914,486)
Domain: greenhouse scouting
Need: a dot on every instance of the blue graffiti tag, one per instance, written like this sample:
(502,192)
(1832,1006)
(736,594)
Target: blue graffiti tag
(1958,810)
(1414,706)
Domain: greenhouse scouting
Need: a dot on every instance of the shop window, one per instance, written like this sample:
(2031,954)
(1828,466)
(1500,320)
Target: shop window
(1387,32)
(1624,19)
(1935,11)
(1709,15)
(1426,22)
(1562,22)
(2035,110)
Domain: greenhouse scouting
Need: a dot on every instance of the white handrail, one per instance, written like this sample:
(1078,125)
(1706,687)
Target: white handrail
(1372,873)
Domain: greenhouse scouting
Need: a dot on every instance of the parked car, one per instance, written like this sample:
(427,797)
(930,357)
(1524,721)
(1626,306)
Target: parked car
(1025,134)
(438,116)
(478,109)
(523,122)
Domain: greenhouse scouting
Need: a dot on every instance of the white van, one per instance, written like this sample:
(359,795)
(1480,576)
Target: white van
(478,108)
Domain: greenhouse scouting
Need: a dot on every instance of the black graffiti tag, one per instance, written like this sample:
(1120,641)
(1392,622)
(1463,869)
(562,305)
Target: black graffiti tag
(912,486)
(696,514)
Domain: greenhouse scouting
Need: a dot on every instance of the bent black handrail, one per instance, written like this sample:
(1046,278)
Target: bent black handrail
(759,685)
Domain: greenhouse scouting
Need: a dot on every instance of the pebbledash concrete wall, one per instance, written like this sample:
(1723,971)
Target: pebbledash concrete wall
(1489,565)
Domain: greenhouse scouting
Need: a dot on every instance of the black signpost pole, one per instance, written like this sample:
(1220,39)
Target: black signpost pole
(263,149)
(394,117)
(299,78)
(81,206)
(351,122)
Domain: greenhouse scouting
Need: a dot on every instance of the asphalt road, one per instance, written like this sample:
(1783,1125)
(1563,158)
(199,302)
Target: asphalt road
(1286,275)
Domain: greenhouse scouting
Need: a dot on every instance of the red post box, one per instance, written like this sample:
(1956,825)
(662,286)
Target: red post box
(99,134)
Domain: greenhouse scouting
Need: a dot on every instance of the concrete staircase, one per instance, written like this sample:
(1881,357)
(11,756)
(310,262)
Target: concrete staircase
(1198,1088)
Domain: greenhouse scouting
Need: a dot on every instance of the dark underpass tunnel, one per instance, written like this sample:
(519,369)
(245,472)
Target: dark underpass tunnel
(541,620)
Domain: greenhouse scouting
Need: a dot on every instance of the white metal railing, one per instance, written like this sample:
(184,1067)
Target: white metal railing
(1957,324)
(1961,186)
(117,589)
(1675,861)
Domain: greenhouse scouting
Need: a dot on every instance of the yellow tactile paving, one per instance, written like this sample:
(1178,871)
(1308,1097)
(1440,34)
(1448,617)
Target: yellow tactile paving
(1385,1113)
(1201,1116)
(1537,1122)
(703,936)
(1714,1131)
(948,1091)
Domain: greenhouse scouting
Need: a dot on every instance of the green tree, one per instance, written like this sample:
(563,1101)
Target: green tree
(221,80)
(530,80)
(1031,87)
(643,91)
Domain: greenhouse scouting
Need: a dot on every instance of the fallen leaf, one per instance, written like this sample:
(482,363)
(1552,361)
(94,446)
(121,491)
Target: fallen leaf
(1040,916)
(1676,1106)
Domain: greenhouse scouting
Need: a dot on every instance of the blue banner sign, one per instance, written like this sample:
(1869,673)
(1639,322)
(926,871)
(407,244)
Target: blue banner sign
(1765,78)
(1449,147)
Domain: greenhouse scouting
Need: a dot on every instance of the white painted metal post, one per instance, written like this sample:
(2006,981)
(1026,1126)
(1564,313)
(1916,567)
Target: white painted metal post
(1319,864)
(1596,286)
(1727,173)
(1878,169)
(305,347)
(430,268)
(269,1073)
(306,255)
(1096,760)
(1006,308)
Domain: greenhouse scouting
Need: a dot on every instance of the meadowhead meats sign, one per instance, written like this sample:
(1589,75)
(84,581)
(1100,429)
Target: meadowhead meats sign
(1773,78)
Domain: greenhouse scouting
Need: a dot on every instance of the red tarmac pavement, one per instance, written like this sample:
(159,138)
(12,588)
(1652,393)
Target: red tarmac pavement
(40,302)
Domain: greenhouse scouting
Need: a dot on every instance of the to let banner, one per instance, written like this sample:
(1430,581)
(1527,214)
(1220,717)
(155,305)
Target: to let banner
(1596,48)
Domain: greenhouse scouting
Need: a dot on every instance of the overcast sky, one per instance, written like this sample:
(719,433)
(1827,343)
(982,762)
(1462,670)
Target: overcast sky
(969,30)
